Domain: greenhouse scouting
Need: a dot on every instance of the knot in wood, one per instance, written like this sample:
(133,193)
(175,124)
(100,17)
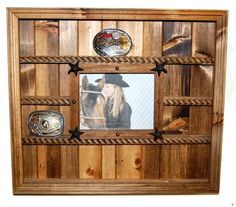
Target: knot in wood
(89,172)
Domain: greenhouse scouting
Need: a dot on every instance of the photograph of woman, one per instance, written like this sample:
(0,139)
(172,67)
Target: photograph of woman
(117,110)
(116,101)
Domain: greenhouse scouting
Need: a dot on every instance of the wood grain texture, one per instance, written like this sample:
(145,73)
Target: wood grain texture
(171,169)
(47,83)
(109,152)
(201,84)
(152,46)
(69,87)
(177,36)
(218,107)
(90,157)
(27,81)
(118,14)
(129,158)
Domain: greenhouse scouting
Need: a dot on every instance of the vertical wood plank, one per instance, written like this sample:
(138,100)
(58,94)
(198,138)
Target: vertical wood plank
(68,46)
(201,84)
(218,108)
(109,152)
(152,47)
(47,83)
(129,158)
(176,42)
(27,83)
(90,163)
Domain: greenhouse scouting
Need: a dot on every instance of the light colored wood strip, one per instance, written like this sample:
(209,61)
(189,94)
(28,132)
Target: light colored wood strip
(68,46)
(118,14)
(46,41)
(129,158)
(90,163)
(109,152)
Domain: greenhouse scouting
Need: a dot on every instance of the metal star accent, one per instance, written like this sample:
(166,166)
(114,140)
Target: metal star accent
(75,133)
(74,68)
(159,68)
(157,134)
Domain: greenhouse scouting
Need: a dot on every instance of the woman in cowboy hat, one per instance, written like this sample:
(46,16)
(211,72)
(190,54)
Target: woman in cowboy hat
(117,110)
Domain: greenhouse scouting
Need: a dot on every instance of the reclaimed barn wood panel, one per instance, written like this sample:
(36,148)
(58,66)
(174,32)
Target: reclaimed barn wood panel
(47,84)
(90,157)
(152,46)
(69,87)
(129,164)
(176,42)
(201,84)
(27,80)
(109,152)
(114,169)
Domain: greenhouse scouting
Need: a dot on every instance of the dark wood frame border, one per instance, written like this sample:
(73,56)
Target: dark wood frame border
(191,186)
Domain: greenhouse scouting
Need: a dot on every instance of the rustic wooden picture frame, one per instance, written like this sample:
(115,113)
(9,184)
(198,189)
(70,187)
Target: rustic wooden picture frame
(118,162)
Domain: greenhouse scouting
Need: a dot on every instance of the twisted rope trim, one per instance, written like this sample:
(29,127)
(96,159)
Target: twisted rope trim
(121,59)
(168,140)
(53,101)
(192,101)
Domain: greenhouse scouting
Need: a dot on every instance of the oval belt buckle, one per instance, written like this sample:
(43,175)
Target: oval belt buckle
(45,123)
(112,42)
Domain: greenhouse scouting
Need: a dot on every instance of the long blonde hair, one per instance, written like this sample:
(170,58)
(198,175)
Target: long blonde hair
(118,100)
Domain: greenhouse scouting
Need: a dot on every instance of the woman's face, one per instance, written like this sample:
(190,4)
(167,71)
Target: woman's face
(108,89)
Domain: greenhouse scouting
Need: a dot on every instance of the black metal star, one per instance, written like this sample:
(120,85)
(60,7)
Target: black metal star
(157,134)
(74,68)
(159,68)
(75,133)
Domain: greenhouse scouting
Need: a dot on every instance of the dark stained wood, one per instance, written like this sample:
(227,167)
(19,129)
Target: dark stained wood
(177,35)
(152,46)
(27,79)
(201,84)
(218,108)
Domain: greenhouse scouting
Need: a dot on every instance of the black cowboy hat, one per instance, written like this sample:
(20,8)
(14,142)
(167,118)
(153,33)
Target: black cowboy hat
(116,79)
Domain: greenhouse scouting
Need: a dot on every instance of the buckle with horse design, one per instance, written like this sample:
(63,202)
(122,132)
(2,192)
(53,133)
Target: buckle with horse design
(112,42)
(45,123)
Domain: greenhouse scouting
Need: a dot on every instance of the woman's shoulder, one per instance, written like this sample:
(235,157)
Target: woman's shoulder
(127,107)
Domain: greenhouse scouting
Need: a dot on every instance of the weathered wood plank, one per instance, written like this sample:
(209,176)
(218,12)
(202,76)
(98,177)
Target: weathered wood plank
(176,42)
(68,46)
(90,157)
(129,158)
(27,82)
(47,83)
(109,152)
(201,84)
(152,46)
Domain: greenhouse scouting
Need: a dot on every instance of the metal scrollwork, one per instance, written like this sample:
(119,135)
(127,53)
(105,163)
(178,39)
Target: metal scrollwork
(45,123)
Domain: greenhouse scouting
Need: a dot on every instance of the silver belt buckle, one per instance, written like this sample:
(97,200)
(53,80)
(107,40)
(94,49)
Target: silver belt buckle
(45,123)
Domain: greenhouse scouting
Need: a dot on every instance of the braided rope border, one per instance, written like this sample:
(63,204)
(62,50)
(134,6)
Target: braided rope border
(122,59)
(65,101)
(50,101)
(190,101)
(121,141)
